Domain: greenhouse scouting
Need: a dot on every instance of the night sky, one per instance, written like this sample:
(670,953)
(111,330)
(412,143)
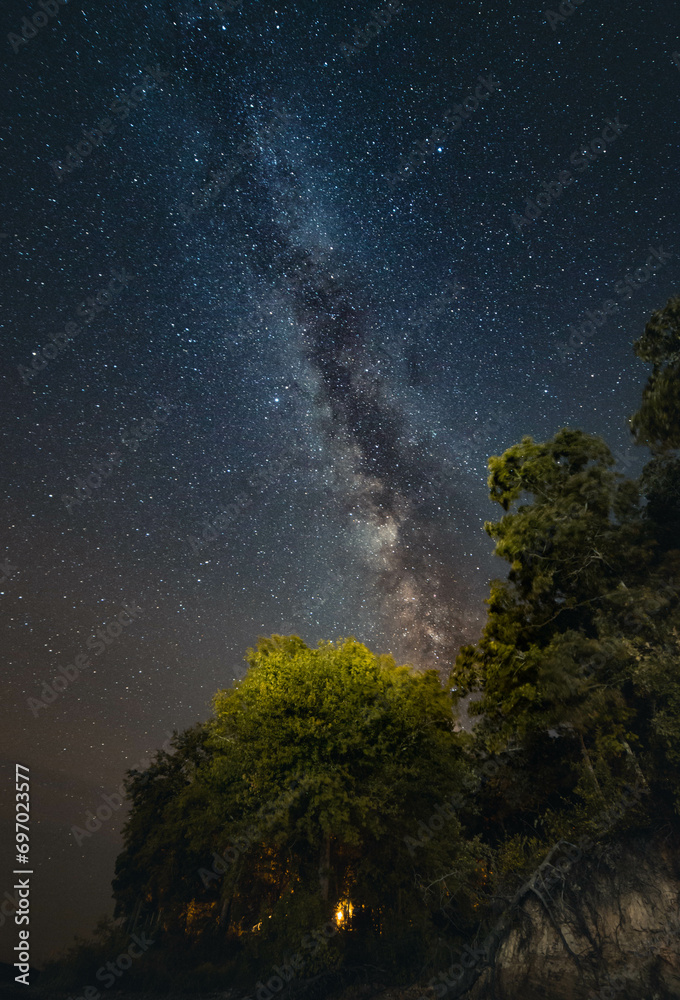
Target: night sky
(305,305)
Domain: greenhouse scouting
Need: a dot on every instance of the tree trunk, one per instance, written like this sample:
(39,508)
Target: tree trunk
(591,769)
(325,866)
(132,923)
(225,912)
(638,770)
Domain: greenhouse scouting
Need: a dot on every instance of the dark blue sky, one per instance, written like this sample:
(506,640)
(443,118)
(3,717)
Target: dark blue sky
(337,352)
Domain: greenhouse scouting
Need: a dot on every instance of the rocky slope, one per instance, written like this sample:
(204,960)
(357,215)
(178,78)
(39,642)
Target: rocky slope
(607,927)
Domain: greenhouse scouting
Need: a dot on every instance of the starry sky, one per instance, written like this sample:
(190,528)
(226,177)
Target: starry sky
(262,329)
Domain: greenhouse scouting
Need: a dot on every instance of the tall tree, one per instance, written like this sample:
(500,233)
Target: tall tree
(156,872)
(575,536)
(320,768)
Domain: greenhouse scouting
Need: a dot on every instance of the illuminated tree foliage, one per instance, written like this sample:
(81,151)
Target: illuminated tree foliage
(300,802)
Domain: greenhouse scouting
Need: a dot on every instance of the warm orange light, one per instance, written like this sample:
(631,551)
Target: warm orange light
(344,912)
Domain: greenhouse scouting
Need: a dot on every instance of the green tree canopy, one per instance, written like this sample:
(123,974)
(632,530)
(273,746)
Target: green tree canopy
(311,782)
(572,532)
(569,669)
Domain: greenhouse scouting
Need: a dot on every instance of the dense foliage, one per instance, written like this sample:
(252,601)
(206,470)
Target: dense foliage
(298,804)
(331,814)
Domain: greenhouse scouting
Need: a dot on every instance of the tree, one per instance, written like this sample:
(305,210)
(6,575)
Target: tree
(580,535)
(156,872)
(317,776)
(657,422)
(660,484)
(575,535)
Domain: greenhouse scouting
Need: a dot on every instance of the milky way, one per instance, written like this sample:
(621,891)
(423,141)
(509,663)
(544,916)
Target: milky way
(388,486)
